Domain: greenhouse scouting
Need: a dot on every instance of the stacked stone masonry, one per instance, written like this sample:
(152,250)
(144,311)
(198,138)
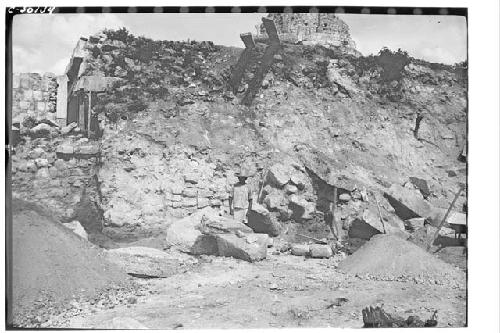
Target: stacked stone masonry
(34,95)
(311,28)
(54,172)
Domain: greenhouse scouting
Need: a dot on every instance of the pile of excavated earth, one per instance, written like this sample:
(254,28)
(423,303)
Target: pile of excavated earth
(392,258)
(149,197)
(52,267)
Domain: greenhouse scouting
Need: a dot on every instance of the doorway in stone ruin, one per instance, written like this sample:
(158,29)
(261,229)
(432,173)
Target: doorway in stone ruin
(78,109)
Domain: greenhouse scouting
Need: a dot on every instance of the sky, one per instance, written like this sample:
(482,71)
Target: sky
(44,43)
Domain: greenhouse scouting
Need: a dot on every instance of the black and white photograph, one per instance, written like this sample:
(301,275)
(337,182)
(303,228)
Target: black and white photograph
(250,167)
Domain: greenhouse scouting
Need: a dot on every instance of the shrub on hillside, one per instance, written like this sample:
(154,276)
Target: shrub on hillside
(29,122)
(122,35)
(392,63)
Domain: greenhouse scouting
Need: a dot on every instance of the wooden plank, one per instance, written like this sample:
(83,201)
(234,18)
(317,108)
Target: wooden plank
(266,62)
(247,39)
(247,58)
(445,217)
(271,30)
(256,83)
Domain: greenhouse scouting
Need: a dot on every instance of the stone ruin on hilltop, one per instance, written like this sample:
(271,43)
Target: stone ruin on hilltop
(311,29)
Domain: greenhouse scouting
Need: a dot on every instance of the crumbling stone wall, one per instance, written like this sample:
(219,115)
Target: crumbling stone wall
(34,95)
(53,172)
(311,28)
(145,184)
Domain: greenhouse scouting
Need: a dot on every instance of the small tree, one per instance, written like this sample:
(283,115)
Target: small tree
(392,63)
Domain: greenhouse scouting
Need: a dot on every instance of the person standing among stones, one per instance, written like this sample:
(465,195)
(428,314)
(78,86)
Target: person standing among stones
(330,219)
(418,120)
(240,197)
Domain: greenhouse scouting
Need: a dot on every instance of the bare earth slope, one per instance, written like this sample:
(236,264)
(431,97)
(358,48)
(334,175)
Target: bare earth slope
(52,265)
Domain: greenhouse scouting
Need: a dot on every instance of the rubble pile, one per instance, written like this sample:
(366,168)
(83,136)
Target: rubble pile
(154,70)
(288,190)
(208,233)
(386,257)
(53,267)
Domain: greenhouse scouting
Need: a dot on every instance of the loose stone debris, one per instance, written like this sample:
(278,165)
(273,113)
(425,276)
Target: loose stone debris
(378,318)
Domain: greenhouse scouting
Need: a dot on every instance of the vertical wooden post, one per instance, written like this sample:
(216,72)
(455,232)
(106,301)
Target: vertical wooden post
(89,114)
(334,220)
(247,58)
(81,109)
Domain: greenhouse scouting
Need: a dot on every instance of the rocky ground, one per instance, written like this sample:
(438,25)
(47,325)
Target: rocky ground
(281,291)
(171,289)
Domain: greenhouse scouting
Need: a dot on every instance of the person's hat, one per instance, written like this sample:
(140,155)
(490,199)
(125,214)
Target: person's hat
(244,171)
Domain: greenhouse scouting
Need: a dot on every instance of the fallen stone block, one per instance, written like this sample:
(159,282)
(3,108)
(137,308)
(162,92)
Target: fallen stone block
(422,186)
(182,234)
(274,200)
(300,249)
(301,208)
(252,248)
(406,204)
(145,262)
(455,217)
(291,189)
(415,223)
(278,175)
(205,244)
(41,127)
(88,150)
(261,221)
(67,129)
(300,179)
(215,224)
(361,229)
(345,197)
(77,228)
(320,251)
(369,224)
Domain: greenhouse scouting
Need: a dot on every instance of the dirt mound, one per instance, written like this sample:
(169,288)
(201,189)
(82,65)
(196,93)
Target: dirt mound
(388,257)
(51,265)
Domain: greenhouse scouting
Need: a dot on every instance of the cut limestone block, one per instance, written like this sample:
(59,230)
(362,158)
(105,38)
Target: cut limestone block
(251,248)
(300,249)
(145,261)
(261,221)
(320,251)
